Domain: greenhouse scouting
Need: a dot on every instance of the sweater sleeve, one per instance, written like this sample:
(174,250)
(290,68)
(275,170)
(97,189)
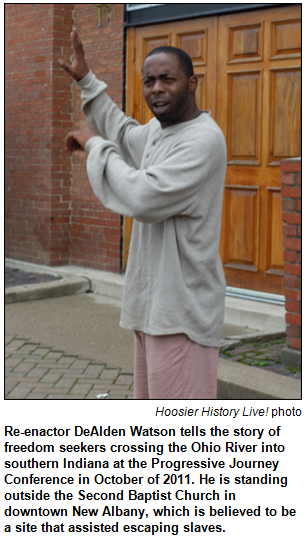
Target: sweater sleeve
(110,122)
(154,194)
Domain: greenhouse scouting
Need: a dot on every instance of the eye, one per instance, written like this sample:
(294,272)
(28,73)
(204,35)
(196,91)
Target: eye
(169,78)
(147,81)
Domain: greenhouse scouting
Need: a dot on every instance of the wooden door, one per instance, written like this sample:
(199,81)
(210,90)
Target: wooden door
(198,39)
(259,111)
(248,65)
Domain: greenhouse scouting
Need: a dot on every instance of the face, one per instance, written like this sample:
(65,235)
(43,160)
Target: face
(167,90)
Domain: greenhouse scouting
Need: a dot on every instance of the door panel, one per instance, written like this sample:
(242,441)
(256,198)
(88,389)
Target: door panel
(285,133)
(275,259)
(244,117)
(242,214)
(245,43)
(249,71)
(286,39)
(259,96)
(195,45)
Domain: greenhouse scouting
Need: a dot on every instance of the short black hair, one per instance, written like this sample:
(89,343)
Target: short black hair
(184,58)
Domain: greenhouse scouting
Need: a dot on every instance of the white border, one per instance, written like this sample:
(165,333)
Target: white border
(141,6)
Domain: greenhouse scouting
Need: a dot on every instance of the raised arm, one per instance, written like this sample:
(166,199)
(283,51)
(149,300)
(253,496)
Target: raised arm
(78,69)
(102,114)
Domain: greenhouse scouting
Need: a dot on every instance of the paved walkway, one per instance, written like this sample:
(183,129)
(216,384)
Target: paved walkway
(37,370)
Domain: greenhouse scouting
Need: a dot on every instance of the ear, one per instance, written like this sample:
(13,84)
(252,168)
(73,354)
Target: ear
(193,84)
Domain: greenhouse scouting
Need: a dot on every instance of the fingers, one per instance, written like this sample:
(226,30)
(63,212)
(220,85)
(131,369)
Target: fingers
(75,36)
(71,144)
(65,66)
(78,69)
(76,140)
(76,43)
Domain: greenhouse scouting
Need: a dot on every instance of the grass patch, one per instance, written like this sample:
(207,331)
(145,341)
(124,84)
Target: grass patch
(294,370)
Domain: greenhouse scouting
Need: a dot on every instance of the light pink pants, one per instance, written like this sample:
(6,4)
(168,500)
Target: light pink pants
(174,367)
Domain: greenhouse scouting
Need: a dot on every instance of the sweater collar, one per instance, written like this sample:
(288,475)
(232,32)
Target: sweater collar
(183,125)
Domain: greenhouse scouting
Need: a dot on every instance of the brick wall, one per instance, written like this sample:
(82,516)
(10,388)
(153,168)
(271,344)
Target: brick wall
(291,204)
(95,231)
(52,216)
(38,114)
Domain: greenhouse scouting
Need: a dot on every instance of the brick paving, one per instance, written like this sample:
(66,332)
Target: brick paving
(34,371)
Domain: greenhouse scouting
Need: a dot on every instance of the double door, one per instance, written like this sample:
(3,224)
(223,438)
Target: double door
(249,71)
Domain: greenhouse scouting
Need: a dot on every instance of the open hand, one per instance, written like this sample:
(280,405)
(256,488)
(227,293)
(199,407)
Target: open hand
(76,140)
(79,68)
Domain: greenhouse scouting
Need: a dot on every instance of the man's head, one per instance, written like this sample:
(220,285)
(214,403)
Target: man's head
(169,85)
(184,58)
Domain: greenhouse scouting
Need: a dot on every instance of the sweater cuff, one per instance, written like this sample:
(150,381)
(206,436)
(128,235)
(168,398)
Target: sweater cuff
(92,143)
(90,83)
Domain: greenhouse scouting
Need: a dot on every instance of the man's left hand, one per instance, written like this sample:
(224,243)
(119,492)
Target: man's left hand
(76,140)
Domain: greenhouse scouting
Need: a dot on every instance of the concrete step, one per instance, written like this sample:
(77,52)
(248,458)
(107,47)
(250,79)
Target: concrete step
(52,289)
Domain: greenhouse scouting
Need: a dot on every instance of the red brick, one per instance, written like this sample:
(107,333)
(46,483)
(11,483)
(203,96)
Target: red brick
(290,256)
(291,217)
(292,244)
(291,282)
(289,231)
(293,307)
(291,192)
(293,319)
(293,294)
(293,330)
(294,343)
(292,269)
(288,179)
(291,166)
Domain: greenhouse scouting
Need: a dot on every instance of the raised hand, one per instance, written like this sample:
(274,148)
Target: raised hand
(79,68)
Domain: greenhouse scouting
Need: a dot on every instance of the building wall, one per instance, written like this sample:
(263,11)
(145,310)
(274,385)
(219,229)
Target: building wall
(95,231)
(38,114)
(291,204)
(52,216)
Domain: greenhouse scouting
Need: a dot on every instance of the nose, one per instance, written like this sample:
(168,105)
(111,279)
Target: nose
(158,87)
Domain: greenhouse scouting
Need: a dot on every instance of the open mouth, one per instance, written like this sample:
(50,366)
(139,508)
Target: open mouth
(160,107)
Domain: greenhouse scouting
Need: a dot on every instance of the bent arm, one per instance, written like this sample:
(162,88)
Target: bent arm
(152,195)
(110,122)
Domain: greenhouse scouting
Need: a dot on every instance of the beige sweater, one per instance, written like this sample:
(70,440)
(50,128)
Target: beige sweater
(171,181)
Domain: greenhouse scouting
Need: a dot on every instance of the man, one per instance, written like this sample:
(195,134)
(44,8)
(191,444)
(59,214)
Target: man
(168,175)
